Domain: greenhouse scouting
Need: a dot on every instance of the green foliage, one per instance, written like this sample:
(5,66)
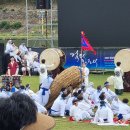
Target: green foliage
(14,1)
(4,25)
(7,25)
(16,25)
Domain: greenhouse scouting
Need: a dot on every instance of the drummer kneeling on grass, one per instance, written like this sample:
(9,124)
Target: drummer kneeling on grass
(103,114)
(58,107)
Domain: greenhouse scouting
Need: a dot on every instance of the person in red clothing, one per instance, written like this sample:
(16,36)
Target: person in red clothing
(13,67)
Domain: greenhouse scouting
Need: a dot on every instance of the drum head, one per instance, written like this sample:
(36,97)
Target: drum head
(62,56)
(61,53)
(123,56)
(52,57)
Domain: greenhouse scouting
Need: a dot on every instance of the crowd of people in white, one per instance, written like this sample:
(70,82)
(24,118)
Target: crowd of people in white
(86,102)
(81,104)
(98,105)
(27,58)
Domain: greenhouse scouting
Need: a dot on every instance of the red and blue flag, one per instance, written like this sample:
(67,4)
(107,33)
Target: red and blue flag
(85,45)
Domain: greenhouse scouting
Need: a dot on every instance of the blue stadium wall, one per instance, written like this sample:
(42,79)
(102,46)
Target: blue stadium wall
(104,59)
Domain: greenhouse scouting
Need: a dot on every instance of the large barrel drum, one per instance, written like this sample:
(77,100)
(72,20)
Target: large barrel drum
(69,77)
(123,56)
(53,55)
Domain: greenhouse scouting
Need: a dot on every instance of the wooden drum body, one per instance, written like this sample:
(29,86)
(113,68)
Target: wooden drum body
(69,77)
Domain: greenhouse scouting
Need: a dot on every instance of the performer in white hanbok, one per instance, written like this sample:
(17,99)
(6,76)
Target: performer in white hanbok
(85,71)
(124,110)
(103,114)
(58,107)
(115,105)
(31,56)
(90,89)
(69,102)
(23,49)
(77,114)
(102,97)
(87,99)
(35,66)
(29,92)
(109,93)
(44,91)
(33,95)
(118,81)
(85,106)
(40,108)
(43,70)
(96,94)
(10,49)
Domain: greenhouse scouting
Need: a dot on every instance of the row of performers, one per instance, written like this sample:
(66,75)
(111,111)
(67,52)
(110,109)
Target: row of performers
(23,67)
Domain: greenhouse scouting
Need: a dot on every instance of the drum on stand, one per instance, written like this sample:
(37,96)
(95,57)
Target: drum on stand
(123,56)
(54,56)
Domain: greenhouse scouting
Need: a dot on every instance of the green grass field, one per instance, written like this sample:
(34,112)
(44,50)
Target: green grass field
(98,79)
(64,124)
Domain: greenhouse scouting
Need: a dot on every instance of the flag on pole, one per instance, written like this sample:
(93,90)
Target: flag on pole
(85,45)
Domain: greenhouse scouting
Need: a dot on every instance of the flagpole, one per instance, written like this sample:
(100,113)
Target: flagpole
(81,48)
(81,51)
(81,56)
